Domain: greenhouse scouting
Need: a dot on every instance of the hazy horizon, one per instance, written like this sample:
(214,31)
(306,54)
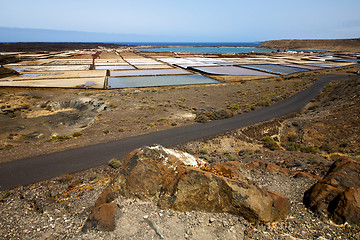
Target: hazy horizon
(185,21)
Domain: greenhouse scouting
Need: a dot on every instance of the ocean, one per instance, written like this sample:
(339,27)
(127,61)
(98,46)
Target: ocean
(197,44)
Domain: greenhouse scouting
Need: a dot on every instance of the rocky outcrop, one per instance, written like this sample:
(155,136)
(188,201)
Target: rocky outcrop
(337,195)
(180,181)
(316,44)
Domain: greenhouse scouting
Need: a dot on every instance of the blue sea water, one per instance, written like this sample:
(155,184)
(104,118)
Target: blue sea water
(200,49)
(198,44)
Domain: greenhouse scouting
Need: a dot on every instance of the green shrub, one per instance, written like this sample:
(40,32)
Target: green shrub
(162,119)
(77,134)
(233,106)
(308,149)
(60,138)
(291,146)
(292,137)
(270,143)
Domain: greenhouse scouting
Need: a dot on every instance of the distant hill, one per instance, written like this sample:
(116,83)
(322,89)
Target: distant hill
(349,45)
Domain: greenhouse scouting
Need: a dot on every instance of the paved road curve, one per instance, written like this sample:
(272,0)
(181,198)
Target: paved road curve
(34,169)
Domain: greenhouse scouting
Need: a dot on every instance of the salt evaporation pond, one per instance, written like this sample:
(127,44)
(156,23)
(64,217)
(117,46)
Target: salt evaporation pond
(154,81)
(274,68)
(207,49)
(231,70)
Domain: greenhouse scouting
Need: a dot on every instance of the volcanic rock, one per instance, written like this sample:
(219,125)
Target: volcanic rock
(337,194)
(102,218)
(180,181)
(346,207)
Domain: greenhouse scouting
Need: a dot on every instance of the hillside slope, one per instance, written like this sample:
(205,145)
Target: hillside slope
(351,45)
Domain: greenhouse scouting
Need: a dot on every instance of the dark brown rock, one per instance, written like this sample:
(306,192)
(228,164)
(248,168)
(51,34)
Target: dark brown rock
(336,195)
(346,207)
(101,218)
(107,196)
(203,191)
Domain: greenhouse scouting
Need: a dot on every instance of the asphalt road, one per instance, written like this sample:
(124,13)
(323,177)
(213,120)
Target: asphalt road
(34,169)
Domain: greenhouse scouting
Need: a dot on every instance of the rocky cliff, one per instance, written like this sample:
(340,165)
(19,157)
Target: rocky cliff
(350,45)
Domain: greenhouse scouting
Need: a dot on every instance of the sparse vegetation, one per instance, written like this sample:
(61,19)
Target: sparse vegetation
(162,120)
(77,134)
(60,138)
(6,146)
(270,143)
(233,106)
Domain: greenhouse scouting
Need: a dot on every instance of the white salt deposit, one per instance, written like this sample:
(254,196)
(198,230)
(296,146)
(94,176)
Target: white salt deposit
(184,157)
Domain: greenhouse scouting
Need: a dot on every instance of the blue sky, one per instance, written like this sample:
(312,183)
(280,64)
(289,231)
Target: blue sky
(189,20)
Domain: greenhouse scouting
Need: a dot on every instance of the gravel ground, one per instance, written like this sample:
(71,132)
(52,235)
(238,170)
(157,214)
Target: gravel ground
(58,208)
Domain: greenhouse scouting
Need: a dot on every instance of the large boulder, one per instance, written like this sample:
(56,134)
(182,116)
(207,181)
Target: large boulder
(180,181)
(337,194)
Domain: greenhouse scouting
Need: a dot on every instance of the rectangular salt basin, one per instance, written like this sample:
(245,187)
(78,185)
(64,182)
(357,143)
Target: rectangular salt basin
(231,70)
(128,67)
(144,61)
(108,61)
(58,83)
(154,81)
(274,68)
(50,68)
(323,65)
(56,75)
(195,65)
(303,66)
(210,60)
(158,66)
(70,62)
(149,72)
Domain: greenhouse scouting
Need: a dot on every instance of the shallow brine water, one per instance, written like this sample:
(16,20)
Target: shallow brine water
(274,68)
(154,81)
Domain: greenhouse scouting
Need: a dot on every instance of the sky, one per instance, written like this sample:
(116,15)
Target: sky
(183,20)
